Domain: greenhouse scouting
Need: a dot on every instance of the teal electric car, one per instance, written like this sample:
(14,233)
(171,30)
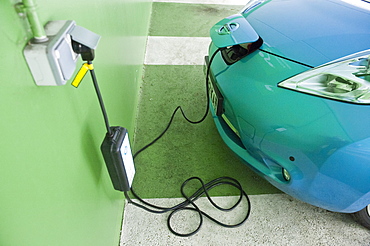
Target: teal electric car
(289,93)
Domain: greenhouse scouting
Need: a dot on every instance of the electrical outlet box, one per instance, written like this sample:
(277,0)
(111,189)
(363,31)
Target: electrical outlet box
(118,158)
(52,62)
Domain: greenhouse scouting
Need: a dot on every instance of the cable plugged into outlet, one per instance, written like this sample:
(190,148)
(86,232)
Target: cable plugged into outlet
(51,56)
(115,148)
(53,61)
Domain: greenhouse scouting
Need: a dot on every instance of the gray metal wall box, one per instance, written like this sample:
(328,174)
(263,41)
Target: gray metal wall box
(53,62)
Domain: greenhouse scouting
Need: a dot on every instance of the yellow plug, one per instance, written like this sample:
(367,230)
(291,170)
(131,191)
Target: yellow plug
(81,74)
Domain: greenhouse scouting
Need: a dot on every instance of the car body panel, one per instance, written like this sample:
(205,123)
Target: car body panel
(238,26)
(320,28)
(324,144)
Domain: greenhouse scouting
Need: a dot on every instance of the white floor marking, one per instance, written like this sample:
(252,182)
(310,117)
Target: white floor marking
(176,50)
(276,219)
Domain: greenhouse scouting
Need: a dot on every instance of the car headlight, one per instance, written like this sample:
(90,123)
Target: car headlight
(252,4)
(346,79)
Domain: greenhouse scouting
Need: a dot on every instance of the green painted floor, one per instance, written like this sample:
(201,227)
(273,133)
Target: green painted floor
(186,150)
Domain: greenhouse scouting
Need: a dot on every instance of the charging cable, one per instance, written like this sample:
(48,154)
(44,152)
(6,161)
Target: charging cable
(182,111)
(88,66)
(189,202)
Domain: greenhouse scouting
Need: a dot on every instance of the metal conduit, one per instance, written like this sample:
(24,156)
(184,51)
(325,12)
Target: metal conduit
(38,31)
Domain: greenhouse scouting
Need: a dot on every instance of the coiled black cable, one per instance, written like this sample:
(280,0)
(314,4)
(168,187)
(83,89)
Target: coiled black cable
(189,202)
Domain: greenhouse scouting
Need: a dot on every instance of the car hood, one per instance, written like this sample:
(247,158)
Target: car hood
(313,32)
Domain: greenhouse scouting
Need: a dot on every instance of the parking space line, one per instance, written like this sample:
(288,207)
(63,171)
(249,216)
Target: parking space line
(276,219)
(176,50)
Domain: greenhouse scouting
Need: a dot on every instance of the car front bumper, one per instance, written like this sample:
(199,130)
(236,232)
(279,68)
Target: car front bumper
(336,189)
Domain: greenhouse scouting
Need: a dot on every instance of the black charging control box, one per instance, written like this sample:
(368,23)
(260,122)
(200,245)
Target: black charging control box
(118,158)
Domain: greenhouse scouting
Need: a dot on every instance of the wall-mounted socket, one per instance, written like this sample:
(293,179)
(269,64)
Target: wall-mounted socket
(52,62)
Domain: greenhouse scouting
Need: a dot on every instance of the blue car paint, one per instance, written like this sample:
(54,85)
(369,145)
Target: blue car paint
(245,34)
(324,144)
(314,31)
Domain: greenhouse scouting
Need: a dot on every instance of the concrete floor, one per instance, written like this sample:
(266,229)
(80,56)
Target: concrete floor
(276,219)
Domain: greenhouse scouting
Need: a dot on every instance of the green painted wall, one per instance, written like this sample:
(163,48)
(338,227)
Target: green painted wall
(54,186)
